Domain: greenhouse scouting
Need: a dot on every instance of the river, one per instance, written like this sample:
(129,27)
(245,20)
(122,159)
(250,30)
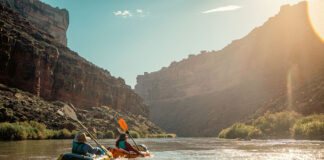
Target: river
(179,148)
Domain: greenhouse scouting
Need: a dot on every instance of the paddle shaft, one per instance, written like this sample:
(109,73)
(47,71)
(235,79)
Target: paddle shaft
(123,125)
(69,112)
(134,142)
(93,138)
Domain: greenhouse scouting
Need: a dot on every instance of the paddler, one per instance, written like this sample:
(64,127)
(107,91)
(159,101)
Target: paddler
(80,145)
(123,144)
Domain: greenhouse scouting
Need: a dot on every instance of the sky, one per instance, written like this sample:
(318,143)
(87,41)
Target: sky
(130,37)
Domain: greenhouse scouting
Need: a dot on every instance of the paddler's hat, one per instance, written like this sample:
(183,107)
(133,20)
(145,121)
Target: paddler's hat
(82,138)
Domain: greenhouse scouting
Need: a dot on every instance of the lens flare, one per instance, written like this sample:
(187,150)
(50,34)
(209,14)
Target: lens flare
(316,17)
(289,90)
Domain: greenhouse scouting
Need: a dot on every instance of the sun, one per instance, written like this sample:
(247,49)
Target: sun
(316,17)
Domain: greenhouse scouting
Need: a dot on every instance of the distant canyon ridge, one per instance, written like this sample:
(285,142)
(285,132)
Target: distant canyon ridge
(278,66)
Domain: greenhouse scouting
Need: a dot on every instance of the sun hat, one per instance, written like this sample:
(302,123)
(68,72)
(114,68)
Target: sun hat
(83,138)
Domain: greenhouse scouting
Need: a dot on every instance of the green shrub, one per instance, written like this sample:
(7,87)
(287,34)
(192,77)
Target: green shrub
(237,130)
(39,126)
(279,125)
(34,130)
(10,131)
(49,134)
(171,135)
(109,134)
(142,134)
(57,134)
(134,134)
(256,133)
(163,135)
(31,130)
(65,134)
(276,125)
(15,131)
(310,127)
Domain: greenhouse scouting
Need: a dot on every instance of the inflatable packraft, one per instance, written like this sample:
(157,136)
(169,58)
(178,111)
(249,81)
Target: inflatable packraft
(117,152)
(73,156)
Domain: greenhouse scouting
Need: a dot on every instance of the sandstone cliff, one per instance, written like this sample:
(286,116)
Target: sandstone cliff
(205,93)
(54,21)
(18,106)
(33,61)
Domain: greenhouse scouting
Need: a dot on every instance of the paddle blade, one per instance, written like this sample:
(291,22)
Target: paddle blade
(122,124)
(68,111)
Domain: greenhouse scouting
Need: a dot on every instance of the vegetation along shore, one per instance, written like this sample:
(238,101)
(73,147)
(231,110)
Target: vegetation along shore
(33,130)
(280,125)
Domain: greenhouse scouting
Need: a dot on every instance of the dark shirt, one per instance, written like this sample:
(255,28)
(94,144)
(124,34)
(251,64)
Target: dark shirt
(129,147)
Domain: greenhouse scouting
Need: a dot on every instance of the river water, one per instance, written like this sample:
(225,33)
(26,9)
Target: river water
(179,148)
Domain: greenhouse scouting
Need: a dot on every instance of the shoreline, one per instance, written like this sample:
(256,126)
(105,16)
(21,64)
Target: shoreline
(239,140)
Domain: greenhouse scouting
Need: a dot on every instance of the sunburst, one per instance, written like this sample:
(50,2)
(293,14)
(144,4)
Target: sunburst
(316,17)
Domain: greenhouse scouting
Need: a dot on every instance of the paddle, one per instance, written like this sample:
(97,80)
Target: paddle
(123,125)
(69,112)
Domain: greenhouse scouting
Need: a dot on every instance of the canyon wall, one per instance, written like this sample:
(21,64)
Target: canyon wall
(53,21)
(207,92)
(33,60)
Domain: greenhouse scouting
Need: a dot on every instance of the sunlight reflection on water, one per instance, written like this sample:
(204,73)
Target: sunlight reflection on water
(180,148)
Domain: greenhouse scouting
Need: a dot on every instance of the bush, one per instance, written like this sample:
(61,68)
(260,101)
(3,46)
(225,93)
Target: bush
(134,134)
(65,134)
(276,125)
(310,127)
(237,130)
(10,131)
(39,126)
(49,133)
(21,131)
(256,133)
(109,134)
(31,130)
(279,125)
(34,130)
(171,135)
(142,134)
(163,135)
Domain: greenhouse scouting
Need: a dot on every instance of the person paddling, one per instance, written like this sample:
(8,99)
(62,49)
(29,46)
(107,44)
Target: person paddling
(79,145)
(123,144)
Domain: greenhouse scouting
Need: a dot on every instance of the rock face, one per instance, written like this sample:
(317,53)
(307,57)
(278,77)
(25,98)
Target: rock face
(33,61)
(18,106)
(53,21)
(205,93)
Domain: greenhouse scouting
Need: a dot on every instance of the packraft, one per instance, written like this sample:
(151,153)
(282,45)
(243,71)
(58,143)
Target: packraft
(73,156)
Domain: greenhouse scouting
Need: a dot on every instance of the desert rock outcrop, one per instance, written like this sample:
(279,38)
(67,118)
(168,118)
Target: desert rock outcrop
(207,92)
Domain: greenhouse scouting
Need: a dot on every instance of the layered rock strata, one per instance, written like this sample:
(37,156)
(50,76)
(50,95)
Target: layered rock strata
(51,20)
(32,60)
(207,92)
(19,106)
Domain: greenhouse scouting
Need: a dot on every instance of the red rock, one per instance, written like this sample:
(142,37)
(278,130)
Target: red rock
(54,21)
(34,61)
(205,93)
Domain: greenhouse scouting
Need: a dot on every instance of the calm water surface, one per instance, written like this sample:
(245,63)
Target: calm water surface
(179,148)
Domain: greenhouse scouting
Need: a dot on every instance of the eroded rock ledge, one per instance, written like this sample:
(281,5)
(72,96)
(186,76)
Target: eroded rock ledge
(54,21)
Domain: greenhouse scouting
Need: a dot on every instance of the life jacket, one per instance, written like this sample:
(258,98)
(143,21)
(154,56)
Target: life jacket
(78,148)
(122,145)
